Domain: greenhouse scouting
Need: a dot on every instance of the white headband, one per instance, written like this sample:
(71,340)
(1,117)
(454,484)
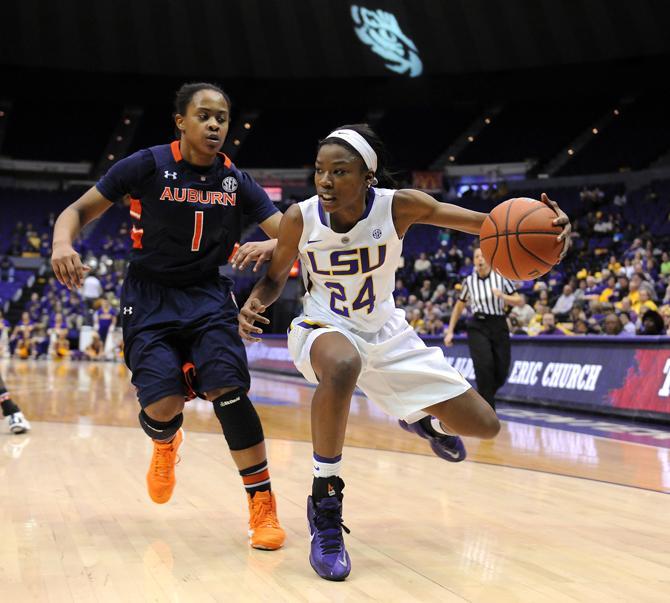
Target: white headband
(360,144)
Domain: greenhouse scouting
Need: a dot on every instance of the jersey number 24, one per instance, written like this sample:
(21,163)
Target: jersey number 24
(364,299)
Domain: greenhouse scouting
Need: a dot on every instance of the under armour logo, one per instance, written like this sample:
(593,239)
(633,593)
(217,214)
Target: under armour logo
(169,174)
(127,310)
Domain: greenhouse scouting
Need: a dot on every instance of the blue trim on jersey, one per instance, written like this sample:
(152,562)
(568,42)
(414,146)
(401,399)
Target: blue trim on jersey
(369,200)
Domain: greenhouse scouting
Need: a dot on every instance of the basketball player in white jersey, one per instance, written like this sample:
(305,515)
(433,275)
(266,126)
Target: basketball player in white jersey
(349,240)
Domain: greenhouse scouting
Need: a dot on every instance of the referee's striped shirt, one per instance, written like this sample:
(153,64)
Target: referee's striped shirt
(479,292)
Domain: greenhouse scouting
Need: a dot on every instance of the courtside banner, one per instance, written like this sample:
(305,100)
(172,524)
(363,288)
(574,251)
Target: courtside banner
(619,375)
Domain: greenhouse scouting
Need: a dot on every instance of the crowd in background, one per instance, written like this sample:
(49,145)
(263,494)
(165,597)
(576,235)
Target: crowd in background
(54,317)
(615,282)
(621,288)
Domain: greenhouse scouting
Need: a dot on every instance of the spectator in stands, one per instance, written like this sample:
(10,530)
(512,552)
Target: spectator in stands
(92,289)
(635,247)
(7,270)
(441,295)
(522,313)
(581,327)
(34,306)
(400,289)
(564,303)
(423,266)
(627,325)
(39,344)
(620,198)
(434,325)
(665,264)
(58,326)
(652,323)
(612,325)
(515,327)
(614,265)
(416,321)
(32,239)
(45,245)
(549,326)
(665,313)
(104,319)
(608,294)
(603,225)
(542,299)
(593,289)
(95,349)
(61,349)
(455,258)
(21,336)
(426,290)
(466,268)
(644,302)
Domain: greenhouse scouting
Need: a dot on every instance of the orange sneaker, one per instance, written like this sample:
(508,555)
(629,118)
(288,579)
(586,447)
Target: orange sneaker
(160,478)
(264,529)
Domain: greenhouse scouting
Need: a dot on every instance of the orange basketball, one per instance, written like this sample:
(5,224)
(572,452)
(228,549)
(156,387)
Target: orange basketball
(518,239)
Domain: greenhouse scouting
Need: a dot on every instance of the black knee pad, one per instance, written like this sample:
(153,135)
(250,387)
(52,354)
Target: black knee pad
(239,420)
(159,430)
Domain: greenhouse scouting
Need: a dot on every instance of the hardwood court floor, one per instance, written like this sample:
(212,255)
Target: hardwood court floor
(513,523)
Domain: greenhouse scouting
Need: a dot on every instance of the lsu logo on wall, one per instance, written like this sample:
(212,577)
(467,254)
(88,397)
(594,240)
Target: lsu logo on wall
(192,195)
(380,31)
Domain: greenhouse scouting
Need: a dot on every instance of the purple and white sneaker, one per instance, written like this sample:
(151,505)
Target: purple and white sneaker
(447,447)
(327,556)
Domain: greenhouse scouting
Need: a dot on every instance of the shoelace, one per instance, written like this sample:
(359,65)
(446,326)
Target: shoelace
(262,514)
(330,525)
(163,460)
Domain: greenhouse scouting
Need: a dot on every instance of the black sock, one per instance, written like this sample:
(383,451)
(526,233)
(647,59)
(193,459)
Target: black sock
(323,487)
(425,423)
(8,407)
(256,478)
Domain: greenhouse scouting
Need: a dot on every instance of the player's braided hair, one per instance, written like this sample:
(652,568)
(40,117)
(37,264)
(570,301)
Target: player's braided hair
(383,174)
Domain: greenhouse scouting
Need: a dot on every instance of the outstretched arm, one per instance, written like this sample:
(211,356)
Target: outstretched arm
(268,289)
(258,252)
(416,207)
(65,260)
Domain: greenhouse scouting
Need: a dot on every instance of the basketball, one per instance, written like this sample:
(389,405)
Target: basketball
(518,239)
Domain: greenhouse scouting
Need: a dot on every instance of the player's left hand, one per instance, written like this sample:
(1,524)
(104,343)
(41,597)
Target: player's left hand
(253,251)
(561,220)
(249,314)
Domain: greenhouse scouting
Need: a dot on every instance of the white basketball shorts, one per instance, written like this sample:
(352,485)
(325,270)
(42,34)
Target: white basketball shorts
(399,372)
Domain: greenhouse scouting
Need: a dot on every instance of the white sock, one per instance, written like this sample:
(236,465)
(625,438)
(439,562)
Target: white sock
(438,426)
(326,467)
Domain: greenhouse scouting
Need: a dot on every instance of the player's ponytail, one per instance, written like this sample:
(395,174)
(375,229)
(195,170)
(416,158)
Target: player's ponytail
(383,174)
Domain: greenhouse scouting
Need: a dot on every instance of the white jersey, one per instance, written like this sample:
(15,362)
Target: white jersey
(350,276)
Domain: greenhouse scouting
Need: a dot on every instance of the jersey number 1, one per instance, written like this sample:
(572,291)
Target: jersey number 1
(197,230)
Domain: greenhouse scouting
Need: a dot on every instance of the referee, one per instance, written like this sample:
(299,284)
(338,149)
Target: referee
(488,335)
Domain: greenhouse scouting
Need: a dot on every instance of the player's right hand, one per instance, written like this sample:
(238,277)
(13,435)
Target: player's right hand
(67,266)
(249,314)
(448,338)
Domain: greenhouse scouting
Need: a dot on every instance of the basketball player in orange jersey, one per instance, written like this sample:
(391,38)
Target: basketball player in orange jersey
(188,205)
(349,239)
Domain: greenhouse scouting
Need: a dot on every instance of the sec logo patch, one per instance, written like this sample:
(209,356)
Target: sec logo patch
(229,184)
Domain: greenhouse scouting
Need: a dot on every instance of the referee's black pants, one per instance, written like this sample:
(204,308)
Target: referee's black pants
(490,350)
